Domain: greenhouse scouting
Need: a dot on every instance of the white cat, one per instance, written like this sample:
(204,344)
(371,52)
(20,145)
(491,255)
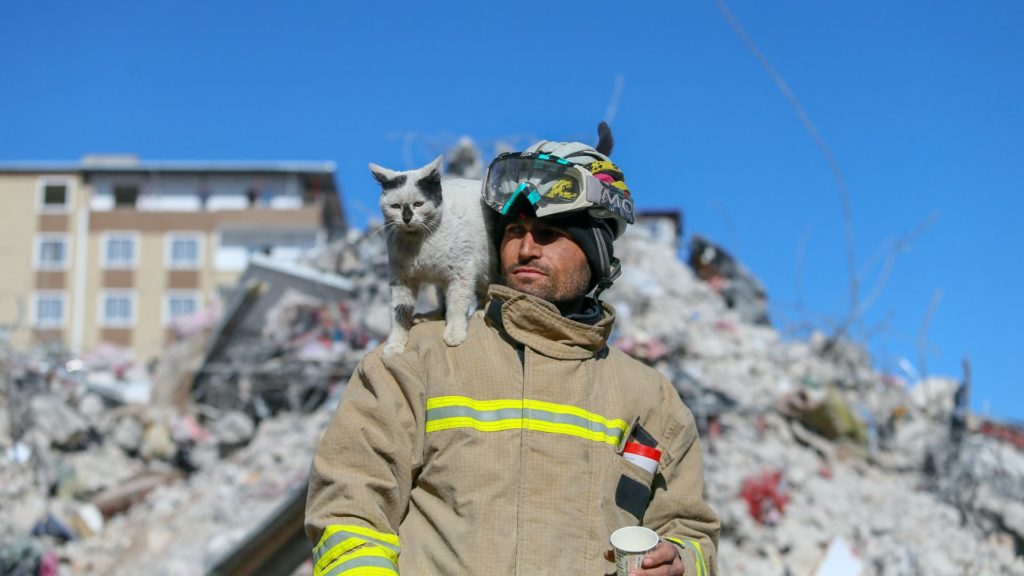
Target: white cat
(437,234)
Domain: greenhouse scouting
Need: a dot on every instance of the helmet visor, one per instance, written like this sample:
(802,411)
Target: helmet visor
(553,186)
(545,180)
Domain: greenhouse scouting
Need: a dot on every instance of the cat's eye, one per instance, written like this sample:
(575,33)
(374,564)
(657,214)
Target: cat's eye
(396,206)
(417,204)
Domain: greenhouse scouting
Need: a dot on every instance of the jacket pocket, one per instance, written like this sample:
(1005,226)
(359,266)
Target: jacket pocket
(630,487)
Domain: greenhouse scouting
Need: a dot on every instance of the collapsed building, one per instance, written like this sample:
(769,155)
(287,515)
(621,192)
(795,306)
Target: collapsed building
(816,462)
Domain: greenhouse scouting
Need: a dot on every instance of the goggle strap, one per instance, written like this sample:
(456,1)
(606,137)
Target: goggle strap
(602,253)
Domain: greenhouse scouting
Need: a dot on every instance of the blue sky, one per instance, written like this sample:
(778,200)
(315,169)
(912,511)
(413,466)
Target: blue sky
(920,103)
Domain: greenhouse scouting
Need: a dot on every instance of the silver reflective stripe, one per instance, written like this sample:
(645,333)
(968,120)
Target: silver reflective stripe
(363,562)
(339,537)
(467,412)
(694,547)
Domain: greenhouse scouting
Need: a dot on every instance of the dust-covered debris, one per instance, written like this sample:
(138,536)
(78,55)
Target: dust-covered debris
(824,446)
(812,456)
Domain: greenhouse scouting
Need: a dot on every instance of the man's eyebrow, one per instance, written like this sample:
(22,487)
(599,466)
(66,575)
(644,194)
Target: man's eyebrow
(549,227)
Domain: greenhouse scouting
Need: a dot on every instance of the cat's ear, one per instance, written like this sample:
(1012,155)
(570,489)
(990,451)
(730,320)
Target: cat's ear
(388,179)
(433,170)
(429,182)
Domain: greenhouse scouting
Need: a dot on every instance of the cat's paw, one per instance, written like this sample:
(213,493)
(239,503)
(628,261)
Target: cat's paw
(393,349)
(454,334)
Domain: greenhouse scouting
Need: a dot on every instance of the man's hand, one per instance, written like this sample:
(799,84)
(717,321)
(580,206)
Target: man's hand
(662,561)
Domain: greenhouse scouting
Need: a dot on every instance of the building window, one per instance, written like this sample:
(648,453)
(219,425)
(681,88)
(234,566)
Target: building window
(126,195)
(52,252)
(117,309)
(49,310)
(183,251)
(119,251)
(54,194)
(180,305)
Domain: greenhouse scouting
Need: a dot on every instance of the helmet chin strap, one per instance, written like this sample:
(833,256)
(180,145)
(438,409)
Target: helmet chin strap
(614,270)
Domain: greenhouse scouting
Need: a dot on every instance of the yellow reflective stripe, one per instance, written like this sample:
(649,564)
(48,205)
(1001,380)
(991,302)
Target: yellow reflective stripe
(368,561)
(536,425)
(566,409)
(442,401)
(570,430)
(492,405)
(447,412)
(693,546)
(339,539)
(467,422)
(368,533)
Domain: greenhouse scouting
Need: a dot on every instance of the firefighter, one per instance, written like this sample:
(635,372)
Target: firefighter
(514,452)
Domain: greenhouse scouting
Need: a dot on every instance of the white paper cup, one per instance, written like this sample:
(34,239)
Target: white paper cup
(631,544)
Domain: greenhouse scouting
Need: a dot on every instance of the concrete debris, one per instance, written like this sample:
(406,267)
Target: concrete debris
(464,160)
(740,289)
(119,388)
(827,413)
(128,492)
(83,474)
(287,335)
(934,397)
(840,560)
(86,519)
(816,462)
(157,443)
(127,434)
(233,429)
(852,464)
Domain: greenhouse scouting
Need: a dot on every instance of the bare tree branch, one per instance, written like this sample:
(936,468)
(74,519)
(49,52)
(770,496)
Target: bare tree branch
(819,140)
(900,245)
(801,256)
(922,335)
(613,104)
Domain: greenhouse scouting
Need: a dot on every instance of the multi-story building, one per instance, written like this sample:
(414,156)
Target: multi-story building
(113,249)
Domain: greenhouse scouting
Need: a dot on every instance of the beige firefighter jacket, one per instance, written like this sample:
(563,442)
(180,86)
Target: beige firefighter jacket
(502,456)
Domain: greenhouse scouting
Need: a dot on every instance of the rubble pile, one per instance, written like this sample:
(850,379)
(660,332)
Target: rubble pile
(186,526)
(109,467)
(813,458)
(807,447)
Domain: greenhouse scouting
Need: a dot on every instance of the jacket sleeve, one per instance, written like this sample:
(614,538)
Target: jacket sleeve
(363,470)
(677,511)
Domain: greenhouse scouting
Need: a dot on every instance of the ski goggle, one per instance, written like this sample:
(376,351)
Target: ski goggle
(553,186)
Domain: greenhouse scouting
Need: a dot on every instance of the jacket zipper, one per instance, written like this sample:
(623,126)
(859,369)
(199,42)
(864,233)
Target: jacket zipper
(521,350)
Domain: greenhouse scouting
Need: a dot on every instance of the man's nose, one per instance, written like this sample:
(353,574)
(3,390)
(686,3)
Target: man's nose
(528,247)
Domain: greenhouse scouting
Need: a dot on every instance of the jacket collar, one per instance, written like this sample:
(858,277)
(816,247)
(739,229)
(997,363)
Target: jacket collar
(539,325)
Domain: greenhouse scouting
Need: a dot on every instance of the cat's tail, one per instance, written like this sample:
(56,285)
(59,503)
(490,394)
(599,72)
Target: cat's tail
(605,141)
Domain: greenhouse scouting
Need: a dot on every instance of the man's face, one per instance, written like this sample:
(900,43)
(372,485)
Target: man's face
(543,261)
